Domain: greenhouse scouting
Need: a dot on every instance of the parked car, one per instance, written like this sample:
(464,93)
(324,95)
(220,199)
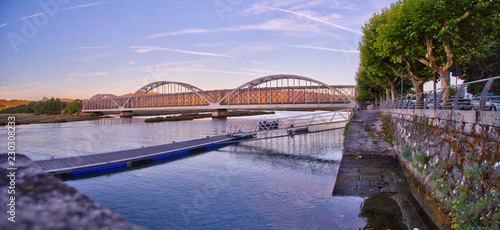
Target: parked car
(409,104)
(431,103)
(463,103)
(491,103)
(475,101)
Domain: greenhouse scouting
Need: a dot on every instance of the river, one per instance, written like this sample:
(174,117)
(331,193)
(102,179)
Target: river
(282,183)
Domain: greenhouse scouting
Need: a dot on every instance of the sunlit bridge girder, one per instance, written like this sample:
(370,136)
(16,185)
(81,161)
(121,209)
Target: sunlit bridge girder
(286,89)
(167,94)
(270,92)
(103,101)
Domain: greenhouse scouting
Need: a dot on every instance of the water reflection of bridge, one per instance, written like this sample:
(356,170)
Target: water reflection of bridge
(276,92)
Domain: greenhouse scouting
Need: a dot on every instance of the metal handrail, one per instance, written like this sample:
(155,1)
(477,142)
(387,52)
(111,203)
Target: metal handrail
(433,99)
(305,121)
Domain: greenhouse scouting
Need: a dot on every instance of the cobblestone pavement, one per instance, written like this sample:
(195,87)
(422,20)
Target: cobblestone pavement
(366,135)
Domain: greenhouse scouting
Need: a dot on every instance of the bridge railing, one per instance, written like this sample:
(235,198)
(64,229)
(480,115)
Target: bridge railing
(481,95)
(291,123)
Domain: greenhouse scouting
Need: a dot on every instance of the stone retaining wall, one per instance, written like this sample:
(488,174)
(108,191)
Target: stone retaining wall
(42,201)
(452,158)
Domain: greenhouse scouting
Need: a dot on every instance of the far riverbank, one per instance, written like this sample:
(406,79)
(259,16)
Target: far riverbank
(192,116)
(24,118)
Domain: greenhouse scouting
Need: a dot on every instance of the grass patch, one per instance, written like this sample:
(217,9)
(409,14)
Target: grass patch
(406,153)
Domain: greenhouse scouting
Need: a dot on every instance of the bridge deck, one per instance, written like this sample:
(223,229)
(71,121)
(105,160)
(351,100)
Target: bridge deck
(108,160)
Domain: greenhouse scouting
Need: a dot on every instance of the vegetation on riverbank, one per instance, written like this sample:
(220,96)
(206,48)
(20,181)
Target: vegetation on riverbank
(23,118)
(455,172)
(192,116)
(48,107)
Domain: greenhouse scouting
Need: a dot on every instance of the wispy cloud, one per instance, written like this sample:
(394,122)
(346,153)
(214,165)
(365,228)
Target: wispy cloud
(312,18)
(89,47)
(90,74)
(33,15)
(326,49)
(277,25)
(2,25)
(81,6)
(261,71)
(307,5)
(270,25)
(63,9)
(208,71)
(146,49)
(97,57)
(180,32)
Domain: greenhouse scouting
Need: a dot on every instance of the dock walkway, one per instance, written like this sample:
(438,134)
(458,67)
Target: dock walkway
(124,158)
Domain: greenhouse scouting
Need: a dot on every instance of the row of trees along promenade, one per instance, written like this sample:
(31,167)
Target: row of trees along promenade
(415,40)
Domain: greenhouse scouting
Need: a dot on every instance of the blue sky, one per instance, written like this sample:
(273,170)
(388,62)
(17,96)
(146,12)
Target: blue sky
(75,49)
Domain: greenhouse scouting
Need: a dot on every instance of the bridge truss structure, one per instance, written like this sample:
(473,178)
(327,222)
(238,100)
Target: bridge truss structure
(265,93)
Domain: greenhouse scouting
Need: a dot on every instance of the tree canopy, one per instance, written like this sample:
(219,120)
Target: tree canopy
(415,39)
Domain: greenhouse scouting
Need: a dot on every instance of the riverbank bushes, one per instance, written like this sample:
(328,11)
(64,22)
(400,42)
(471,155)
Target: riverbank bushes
(48,107)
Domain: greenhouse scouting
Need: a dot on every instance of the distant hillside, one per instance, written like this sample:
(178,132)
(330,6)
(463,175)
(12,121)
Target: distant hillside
(6,104)
(66,100)
(13,103)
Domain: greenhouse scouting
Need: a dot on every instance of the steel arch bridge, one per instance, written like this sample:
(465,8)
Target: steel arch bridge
(275,92)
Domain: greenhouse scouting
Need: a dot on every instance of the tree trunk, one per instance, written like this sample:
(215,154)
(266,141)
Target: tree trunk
(419,88)
(445,82)
(387,94)
(394,90)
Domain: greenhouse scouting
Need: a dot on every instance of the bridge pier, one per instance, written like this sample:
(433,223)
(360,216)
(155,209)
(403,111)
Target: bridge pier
(219,114)
(126,114)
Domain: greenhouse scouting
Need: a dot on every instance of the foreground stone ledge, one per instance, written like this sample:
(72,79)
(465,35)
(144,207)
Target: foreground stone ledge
(42,201)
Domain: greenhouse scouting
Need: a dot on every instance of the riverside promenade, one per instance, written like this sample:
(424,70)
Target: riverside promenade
(370,169)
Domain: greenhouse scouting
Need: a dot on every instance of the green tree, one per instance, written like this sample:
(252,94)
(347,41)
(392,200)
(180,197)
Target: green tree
(73,107)
(369,88)
(393,51)
(441,34)
(373,64)
(483,67)
(386,58)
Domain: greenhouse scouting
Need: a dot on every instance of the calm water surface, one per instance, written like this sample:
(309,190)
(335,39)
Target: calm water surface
(283,183)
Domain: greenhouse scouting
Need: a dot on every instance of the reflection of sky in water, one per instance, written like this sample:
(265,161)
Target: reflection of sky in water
(268,184)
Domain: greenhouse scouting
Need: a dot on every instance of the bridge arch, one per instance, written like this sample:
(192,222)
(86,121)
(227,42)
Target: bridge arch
(285,89)
(103,101)
(167,94)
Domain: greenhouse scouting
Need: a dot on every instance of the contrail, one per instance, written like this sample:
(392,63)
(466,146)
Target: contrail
(145,49)
(326,49)
(313,18)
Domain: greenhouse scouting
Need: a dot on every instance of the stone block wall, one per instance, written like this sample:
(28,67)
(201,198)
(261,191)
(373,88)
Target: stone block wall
(452,159)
